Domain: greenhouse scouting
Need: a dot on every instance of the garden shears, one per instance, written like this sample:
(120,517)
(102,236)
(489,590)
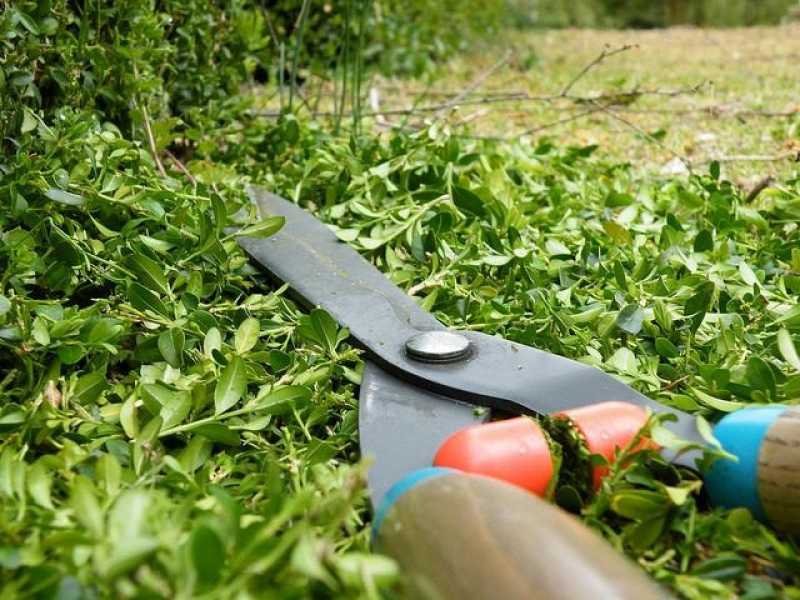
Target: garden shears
(469,527)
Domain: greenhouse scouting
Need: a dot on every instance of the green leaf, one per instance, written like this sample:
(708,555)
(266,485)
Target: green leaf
(143,299)
(231,385)
(760,375)
(170,344)
(175,405)
(704,241)
(468,202)
(618,233)
(212,341)
(630,319)
(640,505)
(700,302)
(39,482)
(320,328)
(207,553)
(666,348)
(5,305)
(149,273)
(713,169)
(63,197)
(127,417)
(263,229)
(86,507)
(721,568)
(282,400)
(217,432)
(247,335)
(716,403)
(89,387)
(787,349)
(746,273)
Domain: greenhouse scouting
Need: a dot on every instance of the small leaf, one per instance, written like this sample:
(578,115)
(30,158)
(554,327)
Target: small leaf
(617,232)
(63,197)
(640,505)
(86,507)
(760,375)
(208,554)
(89,387)
(247,335)
(217,432)
(5,305)
(468,201)
(262,229)
(713,169)
(283,400)
(170,344)
(143,299)
(630,319)
(326,328)
(212,341)
(39,482)
(747,274)
(721,568)
(231,385)
(666,348)
(175,405)
(787,349)
(700,302)
(704,241)
(149,273)
(716,403)
(127,417)
(623,360)
(40,332)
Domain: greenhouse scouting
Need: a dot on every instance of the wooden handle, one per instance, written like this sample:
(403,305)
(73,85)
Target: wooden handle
(463,537)
(779,471)
(765,477)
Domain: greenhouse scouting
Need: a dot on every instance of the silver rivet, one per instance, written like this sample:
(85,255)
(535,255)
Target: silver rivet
(437,346)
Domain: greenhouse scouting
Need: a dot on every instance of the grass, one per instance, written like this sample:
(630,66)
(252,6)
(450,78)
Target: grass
(739,72)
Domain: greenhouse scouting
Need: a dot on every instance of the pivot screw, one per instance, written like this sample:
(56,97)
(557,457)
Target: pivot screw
(437,346)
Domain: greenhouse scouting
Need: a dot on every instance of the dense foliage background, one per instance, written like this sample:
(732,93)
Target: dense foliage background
(171,425)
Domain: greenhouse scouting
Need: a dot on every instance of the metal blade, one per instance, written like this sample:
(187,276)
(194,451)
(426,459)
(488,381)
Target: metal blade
(401,426)
(497,373)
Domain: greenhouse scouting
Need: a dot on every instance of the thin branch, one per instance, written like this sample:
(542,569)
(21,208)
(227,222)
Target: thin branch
(152,141)
(794,156)
(181,167)
(606,53)
(607,110)
(759,187)
(475,84)
(568,119)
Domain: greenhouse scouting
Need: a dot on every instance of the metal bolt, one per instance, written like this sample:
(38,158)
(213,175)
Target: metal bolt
(437,346)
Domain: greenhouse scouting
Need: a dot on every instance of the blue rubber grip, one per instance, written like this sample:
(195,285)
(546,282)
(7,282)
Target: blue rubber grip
(401,487)
(730,483)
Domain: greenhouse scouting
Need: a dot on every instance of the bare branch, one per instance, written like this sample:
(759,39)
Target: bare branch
(607,110)
(152,141)
(606,53)
(475,84)
(759,187)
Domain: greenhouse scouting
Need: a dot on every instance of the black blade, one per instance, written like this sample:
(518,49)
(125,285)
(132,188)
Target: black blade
(497,374)
(401,426)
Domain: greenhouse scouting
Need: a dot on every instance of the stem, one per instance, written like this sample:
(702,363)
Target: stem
(301,25)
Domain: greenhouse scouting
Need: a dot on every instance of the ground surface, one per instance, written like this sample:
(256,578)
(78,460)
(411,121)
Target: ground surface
(736,95)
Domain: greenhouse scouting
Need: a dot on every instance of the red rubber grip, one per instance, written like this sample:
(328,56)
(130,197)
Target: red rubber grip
(514,450)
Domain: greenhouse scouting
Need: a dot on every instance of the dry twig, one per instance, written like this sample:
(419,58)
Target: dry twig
(606,53)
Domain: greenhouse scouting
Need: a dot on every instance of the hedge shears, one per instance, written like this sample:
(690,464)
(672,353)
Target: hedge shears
(459,465)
